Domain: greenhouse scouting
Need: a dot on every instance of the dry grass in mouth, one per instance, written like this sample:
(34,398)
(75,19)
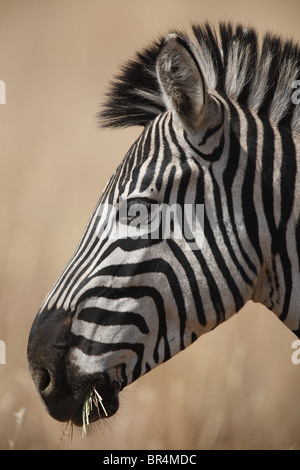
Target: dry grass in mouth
(67,432)
(92,397)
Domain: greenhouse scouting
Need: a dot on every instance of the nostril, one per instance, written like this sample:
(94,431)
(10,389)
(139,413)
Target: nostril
(43,380)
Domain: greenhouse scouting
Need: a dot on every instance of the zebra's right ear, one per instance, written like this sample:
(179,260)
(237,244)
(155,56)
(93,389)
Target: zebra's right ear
(182,82)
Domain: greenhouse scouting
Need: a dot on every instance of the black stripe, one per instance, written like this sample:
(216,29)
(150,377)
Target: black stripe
(209,157)
(96,348)
(151,162)
(167,155)
(248,206)
(104,317)
(229,177)
(287,189)
(297,232)
(267,180)
(211,131)
(169,185)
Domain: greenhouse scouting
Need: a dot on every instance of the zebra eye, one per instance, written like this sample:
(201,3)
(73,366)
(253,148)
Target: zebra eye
(136,212)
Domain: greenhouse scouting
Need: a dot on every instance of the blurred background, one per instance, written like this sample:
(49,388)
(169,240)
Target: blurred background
(235,388)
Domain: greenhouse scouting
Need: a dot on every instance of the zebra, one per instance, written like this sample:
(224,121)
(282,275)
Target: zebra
(221,129)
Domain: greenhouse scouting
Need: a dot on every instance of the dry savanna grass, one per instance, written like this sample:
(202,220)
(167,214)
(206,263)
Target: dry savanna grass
(235,388)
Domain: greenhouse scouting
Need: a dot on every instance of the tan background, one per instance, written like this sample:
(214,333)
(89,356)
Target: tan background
(235,388)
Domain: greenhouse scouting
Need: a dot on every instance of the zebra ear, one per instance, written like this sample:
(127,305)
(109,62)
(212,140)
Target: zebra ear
(182,81)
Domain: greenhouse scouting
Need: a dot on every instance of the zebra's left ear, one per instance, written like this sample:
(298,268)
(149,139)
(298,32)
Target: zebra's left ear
(182,83)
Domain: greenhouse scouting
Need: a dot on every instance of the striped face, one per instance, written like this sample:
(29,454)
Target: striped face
(172,250)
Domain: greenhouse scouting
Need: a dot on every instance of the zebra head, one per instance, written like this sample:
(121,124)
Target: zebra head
(179,240)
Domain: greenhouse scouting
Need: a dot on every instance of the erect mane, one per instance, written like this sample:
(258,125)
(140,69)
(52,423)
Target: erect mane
(257,74)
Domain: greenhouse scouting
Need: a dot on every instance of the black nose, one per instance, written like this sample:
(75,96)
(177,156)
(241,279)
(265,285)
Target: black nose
(48,347)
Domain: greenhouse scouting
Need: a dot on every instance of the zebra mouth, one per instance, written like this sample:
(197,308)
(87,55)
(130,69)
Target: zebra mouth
(109,394)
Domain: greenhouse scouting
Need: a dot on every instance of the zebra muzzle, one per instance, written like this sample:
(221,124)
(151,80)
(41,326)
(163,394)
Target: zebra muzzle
(61,385)
(108,392)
